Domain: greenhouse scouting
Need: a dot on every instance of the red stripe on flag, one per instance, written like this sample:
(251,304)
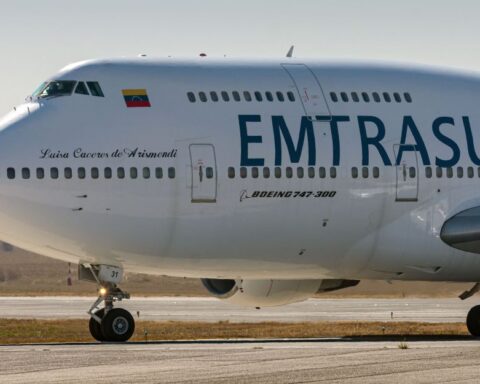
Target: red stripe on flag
(137,103)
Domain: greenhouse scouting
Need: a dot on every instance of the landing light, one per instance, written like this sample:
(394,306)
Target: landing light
(102,291)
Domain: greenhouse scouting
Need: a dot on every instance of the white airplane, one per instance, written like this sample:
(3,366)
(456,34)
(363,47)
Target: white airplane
(269,180)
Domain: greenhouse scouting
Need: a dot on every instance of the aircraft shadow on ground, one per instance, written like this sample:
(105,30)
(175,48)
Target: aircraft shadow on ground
(375,338)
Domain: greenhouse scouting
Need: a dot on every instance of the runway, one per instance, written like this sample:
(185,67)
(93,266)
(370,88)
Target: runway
(213,310)
(332,361)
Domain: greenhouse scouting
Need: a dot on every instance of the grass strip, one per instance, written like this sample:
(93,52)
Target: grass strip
(19,331)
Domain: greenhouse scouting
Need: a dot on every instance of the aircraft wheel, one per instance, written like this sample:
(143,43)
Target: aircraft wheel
(473,321)
(117,325)
(95,327)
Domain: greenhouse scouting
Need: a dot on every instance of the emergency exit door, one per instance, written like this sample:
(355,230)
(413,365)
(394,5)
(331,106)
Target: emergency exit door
(204,173)
(406,172)
(309,91)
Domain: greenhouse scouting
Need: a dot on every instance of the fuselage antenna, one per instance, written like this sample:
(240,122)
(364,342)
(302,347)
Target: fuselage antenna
(290,51)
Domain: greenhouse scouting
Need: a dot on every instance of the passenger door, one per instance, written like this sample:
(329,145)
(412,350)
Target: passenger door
(406,173)
(204,173)
(309,91)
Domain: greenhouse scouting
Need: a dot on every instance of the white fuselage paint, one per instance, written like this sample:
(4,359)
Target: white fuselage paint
(164,226)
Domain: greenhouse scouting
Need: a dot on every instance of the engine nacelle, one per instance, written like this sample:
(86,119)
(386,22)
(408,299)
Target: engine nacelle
(270,293)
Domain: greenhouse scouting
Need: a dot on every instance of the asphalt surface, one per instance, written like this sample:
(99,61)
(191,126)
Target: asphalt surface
(327,360)
(213,310)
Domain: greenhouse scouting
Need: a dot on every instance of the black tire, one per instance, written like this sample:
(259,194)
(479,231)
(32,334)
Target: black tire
(118,325)
(95,328)
(473,321)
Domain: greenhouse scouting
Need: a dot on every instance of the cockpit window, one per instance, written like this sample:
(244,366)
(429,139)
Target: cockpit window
(95,88)
(39,89)
(81,88)
(56,88)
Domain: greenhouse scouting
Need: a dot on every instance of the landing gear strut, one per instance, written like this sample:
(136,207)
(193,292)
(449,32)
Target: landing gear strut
(108,323)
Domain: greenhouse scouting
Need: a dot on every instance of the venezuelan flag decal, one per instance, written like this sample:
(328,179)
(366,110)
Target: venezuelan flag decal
(136,98)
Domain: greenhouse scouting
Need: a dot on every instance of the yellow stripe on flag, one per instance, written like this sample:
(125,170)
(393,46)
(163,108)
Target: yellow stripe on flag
(134,92)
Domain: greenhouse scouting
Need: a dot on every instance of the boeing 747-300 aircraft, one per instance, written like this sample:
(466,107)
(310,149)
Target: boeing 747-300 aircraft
(270,180)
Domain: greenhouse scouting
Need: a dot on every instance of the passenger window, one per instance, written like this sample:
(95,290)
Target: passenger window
(376,172)
(291,96)
(214,96)
(236,96)
(202,96)
(449,172)
(25,173)
(258,96)
(354,172)
(407,97)
(278,172)
(334,97)
(81,173)
(300,173)
(428,172)
(146,173)
(266,172)
(11,173)
(40,173)
(365,97)
(413,172)
(107,173)
(355,97)
(68,173)
(159,173)
(269,96)
(54,173)
(333,172)
(365,172)
(386,97)
(171,173)
(225,96)
(397,97)
(231,172)
(376,97)
(459,172)
(280,97)
(191,97)
(255,172)
(209,172)
(322,172)
(95,173)
(247,96)
(344,96)
(470,172)
(439,172)
(311,172)
(81,89)
(288,172)
(95,89)
(243,172)
(133,173)
(121,172)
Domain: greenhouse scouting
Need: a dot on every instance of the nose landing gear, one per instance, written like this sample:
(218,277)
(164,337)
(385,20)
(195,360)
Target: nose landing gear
(108,323)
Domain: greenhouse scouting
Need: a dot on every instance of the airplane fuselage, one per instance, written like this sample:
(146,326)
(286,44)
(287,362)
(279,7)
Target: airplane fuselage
(315,170)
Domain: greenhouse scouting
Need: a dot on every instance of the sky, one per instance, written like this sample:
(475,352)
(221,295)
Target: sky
(37,38)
